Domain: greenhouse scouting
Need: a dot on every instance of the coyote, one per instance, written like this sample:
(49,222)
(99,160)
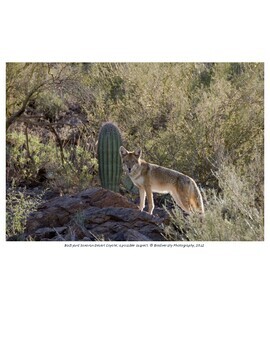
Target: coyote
(151,178)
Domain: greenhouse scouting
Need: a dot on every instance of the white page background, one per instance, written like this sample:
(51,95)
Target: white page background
(124,298)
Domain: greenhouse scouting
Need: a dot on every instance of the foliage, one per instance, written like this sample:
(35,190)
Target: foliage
(231,215)
(76,173)
(23,166)
(19,205)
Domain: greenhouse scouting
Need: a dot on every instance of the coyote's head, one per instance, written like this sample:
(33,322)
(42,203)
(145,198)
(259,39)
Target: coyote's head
(130,160)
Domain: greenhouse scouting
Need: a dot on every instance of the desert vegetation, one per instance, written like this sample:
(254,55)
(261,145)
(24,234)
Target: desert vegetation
(203,119)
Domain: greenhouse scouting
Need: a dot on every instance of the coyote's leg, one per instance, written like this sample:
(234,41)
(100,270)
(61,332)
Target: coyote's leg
(150,200)
(142,198)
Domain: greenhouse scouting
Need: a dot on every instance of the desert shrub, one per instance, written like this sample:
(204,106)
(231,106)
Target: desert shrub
(24,161)
(77,172)
(49,105)
(19,204)
(231,215)
(187,116)
(75,175)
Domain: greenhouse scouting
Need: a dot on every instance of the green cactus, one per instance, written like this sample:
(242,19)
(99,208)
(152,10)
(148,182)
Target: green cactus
(110,166)
(129,185)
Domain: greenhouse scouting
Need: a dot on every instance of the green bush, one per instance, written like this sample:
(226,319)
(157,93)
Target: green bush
(20,166)
(19,205)
(76,173)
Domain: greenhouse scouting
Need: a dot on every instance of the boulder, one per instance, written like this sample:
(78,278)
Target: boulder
(94,214)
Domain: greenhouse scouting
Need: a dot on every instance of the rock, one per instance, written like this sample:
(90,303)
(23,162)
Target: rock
(118,221)
(94,214)
(50,229)
(134,235)
(58,211)
(48,233)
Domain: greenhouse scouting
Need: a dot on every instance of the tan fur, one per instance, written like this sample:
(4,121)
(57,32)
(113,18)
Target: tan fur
(151,178)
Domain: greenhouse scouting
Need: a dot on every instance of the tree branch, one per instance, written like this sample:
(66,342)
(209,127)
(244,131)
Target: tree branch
(19,113)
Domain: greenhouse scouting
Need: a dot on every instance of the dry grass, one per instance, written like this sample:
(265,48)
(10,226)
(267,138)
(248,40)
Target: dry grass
(231,215)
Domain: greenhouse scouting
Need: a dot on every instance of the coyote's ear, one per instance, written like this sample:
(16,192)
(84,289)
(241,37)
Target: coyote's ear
(138,152)
(122,151)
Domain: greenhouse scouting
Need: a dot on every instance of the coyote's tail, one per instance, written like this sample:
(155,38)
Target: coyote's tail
(198,198)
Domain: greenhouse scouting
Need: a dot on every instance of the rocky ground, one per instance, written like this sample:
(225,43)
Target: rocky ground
(92,215)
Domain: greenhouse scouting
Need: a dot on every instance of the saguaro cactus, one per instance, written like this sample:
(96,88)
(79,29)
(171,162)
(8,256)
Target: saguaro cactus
(110,167)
